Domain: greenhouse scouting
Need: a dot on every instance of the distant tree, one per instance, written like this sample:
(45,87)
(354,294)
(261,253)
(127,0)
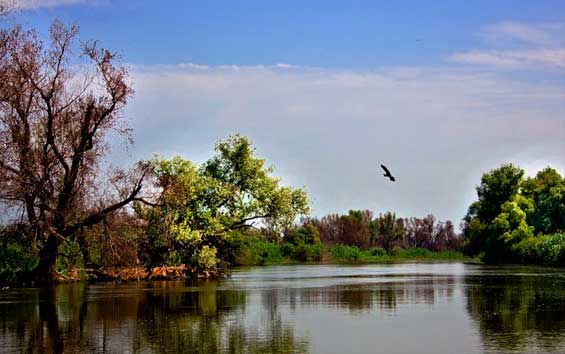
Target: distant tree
(329,228)
(389,230)
(355,229)
(54,117)
(454,241)
(547,191)
(441,236)
(198,205)
(420,232)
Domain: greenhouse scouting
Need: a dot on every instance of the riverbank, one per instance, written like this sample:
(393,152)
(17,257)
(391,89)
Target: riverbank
(262,254)
(265,253)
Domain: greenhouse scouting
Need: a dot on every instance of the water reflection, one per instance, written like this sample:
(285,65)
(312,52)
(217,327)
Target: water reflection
(364,297)
(142,318)
(297,310)
(518,312)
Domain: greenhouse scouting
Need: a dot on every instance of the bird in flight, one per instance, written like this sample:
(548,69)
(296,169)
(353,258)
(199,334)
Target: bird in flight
(387,173)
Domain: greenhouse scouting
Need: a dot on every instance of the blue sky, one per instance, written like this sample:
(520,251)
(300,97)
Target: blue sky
(330,34)
(440,91)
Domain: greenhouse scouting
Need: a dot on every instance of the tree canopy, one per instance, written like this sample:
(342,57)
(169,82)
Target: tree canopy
(514,218)
(198,206)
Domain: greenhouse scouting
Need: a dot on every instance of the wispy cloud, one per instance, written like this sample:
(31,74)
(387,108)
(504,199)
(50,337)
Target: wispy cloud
(327,129)
(539,35)
(519,46)
(540,58)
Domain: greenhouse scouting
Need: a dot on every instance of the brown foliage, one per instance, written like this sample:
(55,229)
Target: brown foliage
(56,111)
(353,229)
(361,229)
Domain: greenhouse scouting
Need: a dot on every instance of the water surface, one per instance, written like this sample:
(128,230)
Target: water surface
(395,308)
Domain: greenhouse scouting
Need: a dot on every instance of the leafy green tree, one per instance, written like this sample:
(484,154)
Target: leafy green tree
(497,187)
(547,190)
(198,205)
(511,236)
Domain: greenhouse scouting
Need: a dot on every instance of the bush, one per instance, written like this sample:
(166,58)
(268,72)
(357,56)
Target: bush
(306,253)
(346,253)
(268,252)
(300,253)
(15,263)
(247,250)
(526,251)
(287,249)
(551,250)
(377,252)
(307,234)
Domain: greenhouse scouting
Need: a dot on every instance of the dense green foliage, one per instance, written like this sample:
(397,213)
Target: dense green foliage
(18,256)
(198,206)
(517,220)
(257,252)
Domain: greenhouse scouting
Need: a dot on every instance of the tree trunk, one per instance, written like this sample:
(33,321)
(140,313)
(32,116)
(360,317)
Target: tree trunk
(46,270)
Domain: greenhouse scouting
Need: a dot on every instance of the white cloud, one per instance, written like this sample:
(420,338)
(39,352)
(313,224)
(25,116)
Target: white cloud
(438,130)
(519,46)
(535,58)
(519,31)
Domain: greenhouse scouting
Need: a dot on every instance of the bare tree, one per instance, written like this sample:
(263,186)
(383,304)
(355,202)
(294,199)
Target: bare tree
(56,110)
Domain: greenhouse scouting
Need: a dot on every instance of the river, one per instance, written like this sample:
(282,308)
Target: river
(385,308)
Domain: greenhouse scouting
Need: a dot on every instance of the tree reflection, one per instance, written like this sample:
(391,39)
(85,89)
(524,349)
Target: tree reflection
(359,298)
(518,312)
(141,318)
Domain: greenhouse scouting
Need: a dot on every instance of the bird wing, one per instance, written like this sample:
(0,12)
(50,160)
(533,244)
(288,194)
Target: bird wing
(386,169)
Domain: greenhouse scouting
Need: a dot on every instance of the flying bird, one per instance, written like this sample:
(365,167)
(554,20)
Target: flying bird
(387,173)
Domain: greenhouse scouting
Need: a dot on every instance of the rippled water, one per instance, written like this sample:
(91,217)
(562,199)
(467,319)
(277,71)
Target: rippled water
(396,308)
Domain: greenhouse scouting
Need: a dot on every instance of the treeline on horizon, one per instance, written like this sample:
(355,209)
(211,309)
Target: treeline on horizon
(357,236)
(71,217)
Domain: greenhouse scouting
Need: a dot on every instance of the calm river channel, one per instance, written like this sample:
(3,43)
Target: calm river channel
(385,308)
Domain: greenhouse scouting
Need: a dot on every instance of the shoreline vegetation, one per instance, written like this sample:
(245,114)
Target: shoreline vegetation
(336,255)
(67,217)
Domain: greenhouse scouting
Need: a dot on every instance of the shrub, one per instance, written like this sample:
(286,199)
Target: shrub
(346,253)
(300,253)
(287,249)
(377,252)
(15,262)
(551,250)
(526,251)
(307,234)
(267,252)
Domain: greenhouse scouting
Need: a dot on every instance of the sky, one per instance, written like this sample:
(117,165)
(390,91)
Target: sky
(440,92)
